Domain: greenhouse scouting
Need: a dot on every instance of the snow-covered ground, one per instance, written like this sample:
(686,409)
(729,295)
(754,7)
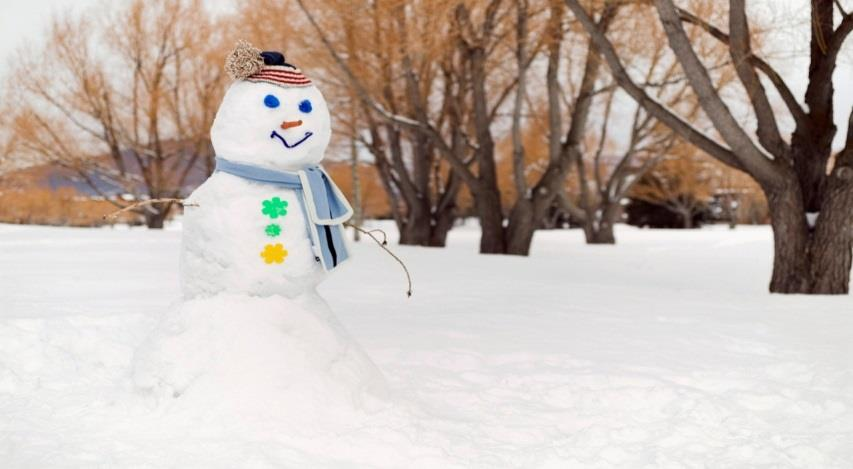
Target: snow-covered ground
(662,351)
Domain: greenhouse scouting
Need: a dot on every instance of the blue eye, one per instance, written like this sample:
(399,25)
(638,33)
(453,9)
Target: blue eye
(305,106)
(271,101)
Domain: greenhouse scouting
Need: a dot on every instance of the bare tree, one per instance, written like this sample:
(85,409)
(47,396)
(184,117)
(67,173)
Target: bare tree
(393,54)
(451,129)
(533,204)
(605,170)
(603,181)
(607,173)
(810,199)
(452,114)
(126,106)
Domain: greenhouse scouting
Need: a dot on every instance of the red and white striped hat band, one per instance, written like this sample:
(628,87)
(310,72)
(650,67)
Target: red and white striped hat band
(283,76)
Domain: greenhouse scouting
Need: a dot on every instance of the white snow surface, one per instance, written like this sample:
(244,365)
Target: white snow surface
(247,357)
(662,351)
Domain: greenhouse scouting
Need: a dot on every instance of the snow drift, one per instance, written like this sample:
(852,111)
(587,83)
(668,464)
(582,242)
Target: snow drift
(269,357)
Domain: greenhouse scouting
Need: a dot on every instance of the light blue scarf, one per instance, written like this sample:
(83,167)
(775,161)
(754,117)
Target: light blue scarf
(324,207)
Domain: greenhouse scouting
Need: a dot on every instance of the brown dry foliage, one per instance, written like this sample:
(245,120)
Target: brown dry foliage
(373,197)
(112,89)
(687,180)
(684,174)
(61,207)
(125,94)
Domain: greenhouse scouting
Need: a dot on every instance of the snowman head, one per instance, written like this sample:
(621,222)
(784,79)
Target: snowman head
(271,116)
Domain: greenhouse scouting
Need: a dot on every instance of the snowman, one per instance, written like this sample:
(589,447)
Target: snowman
(269,220)
(252,334)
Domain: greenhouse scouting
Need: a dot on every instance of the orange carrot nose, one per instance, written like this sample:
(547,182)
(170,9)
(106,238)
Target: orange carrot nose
(288,124)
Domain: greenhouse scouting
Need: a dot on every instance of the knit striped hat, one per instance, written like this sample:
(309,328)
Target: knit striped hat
(248,63)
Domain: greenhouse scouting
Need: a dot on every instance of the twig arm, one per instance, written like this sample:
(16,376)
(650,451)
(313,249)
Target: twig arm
(384,245)
(145,203)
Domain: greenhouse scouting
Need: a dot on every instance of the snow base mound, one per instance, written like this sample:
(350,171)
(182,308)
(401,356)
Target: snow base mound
(257,357)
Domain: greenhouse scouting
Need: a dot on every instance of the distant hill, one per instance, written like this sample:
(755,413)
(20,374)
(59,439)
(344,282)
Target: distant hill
(54,177)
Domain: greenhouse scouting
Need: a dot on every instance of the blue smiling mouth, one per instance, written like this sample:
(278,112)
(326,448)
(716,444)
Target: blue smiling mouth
(275,134)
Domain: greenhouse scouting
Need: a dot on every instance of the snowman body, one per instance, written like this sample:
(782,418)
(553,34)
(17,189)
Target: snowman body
(230,245)
(252,338)
(254,237)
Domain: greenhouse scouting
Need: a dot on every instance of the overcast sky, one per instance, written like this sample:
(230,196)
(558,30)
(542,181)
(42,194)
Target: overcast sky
(23,21)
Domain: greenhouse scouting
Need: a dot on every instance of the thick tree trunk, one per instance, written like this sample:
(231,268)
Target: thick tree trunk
(414,234)
(832,239)
(422,227)
(790,242)
(811,260)
(416,227)
(812,220)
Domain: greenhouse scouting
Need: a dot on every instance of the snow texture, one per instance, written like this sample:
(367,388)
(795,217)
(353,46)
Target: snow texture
(662,351)
(251,357)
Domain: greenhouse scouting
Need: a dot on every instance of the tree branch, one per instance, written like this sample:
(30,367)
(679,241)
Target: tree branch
(741,50)
(365,97)
(569,206)
(521,89)
(782,88)
(661,113)
(146,203)
(845,157)
(840,35)
(583,101)
(742,146)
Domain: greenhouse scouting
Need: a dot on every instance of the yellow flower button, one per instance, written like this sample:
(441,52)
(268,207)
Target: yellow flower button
(274,253)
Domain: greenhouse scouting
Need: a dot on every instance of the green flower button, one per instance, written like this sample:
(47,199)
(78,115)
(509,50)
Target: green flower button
(272,230)
(274,208)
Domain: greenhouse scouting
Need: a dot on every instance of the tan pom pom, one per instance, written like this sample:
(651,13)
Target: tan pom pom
(245,60)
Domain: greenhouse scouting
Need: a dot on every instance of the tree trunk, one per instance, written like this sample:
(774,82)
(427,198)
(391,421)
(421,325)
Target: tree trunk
(601,234)
(356,185)
(811,260)
(832,239)
(598,229)
(443,224)
(156,220)
(416,228)
(730,210)
(790,241)
(421,227)
(520,228)
(686,218)
(493,237)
